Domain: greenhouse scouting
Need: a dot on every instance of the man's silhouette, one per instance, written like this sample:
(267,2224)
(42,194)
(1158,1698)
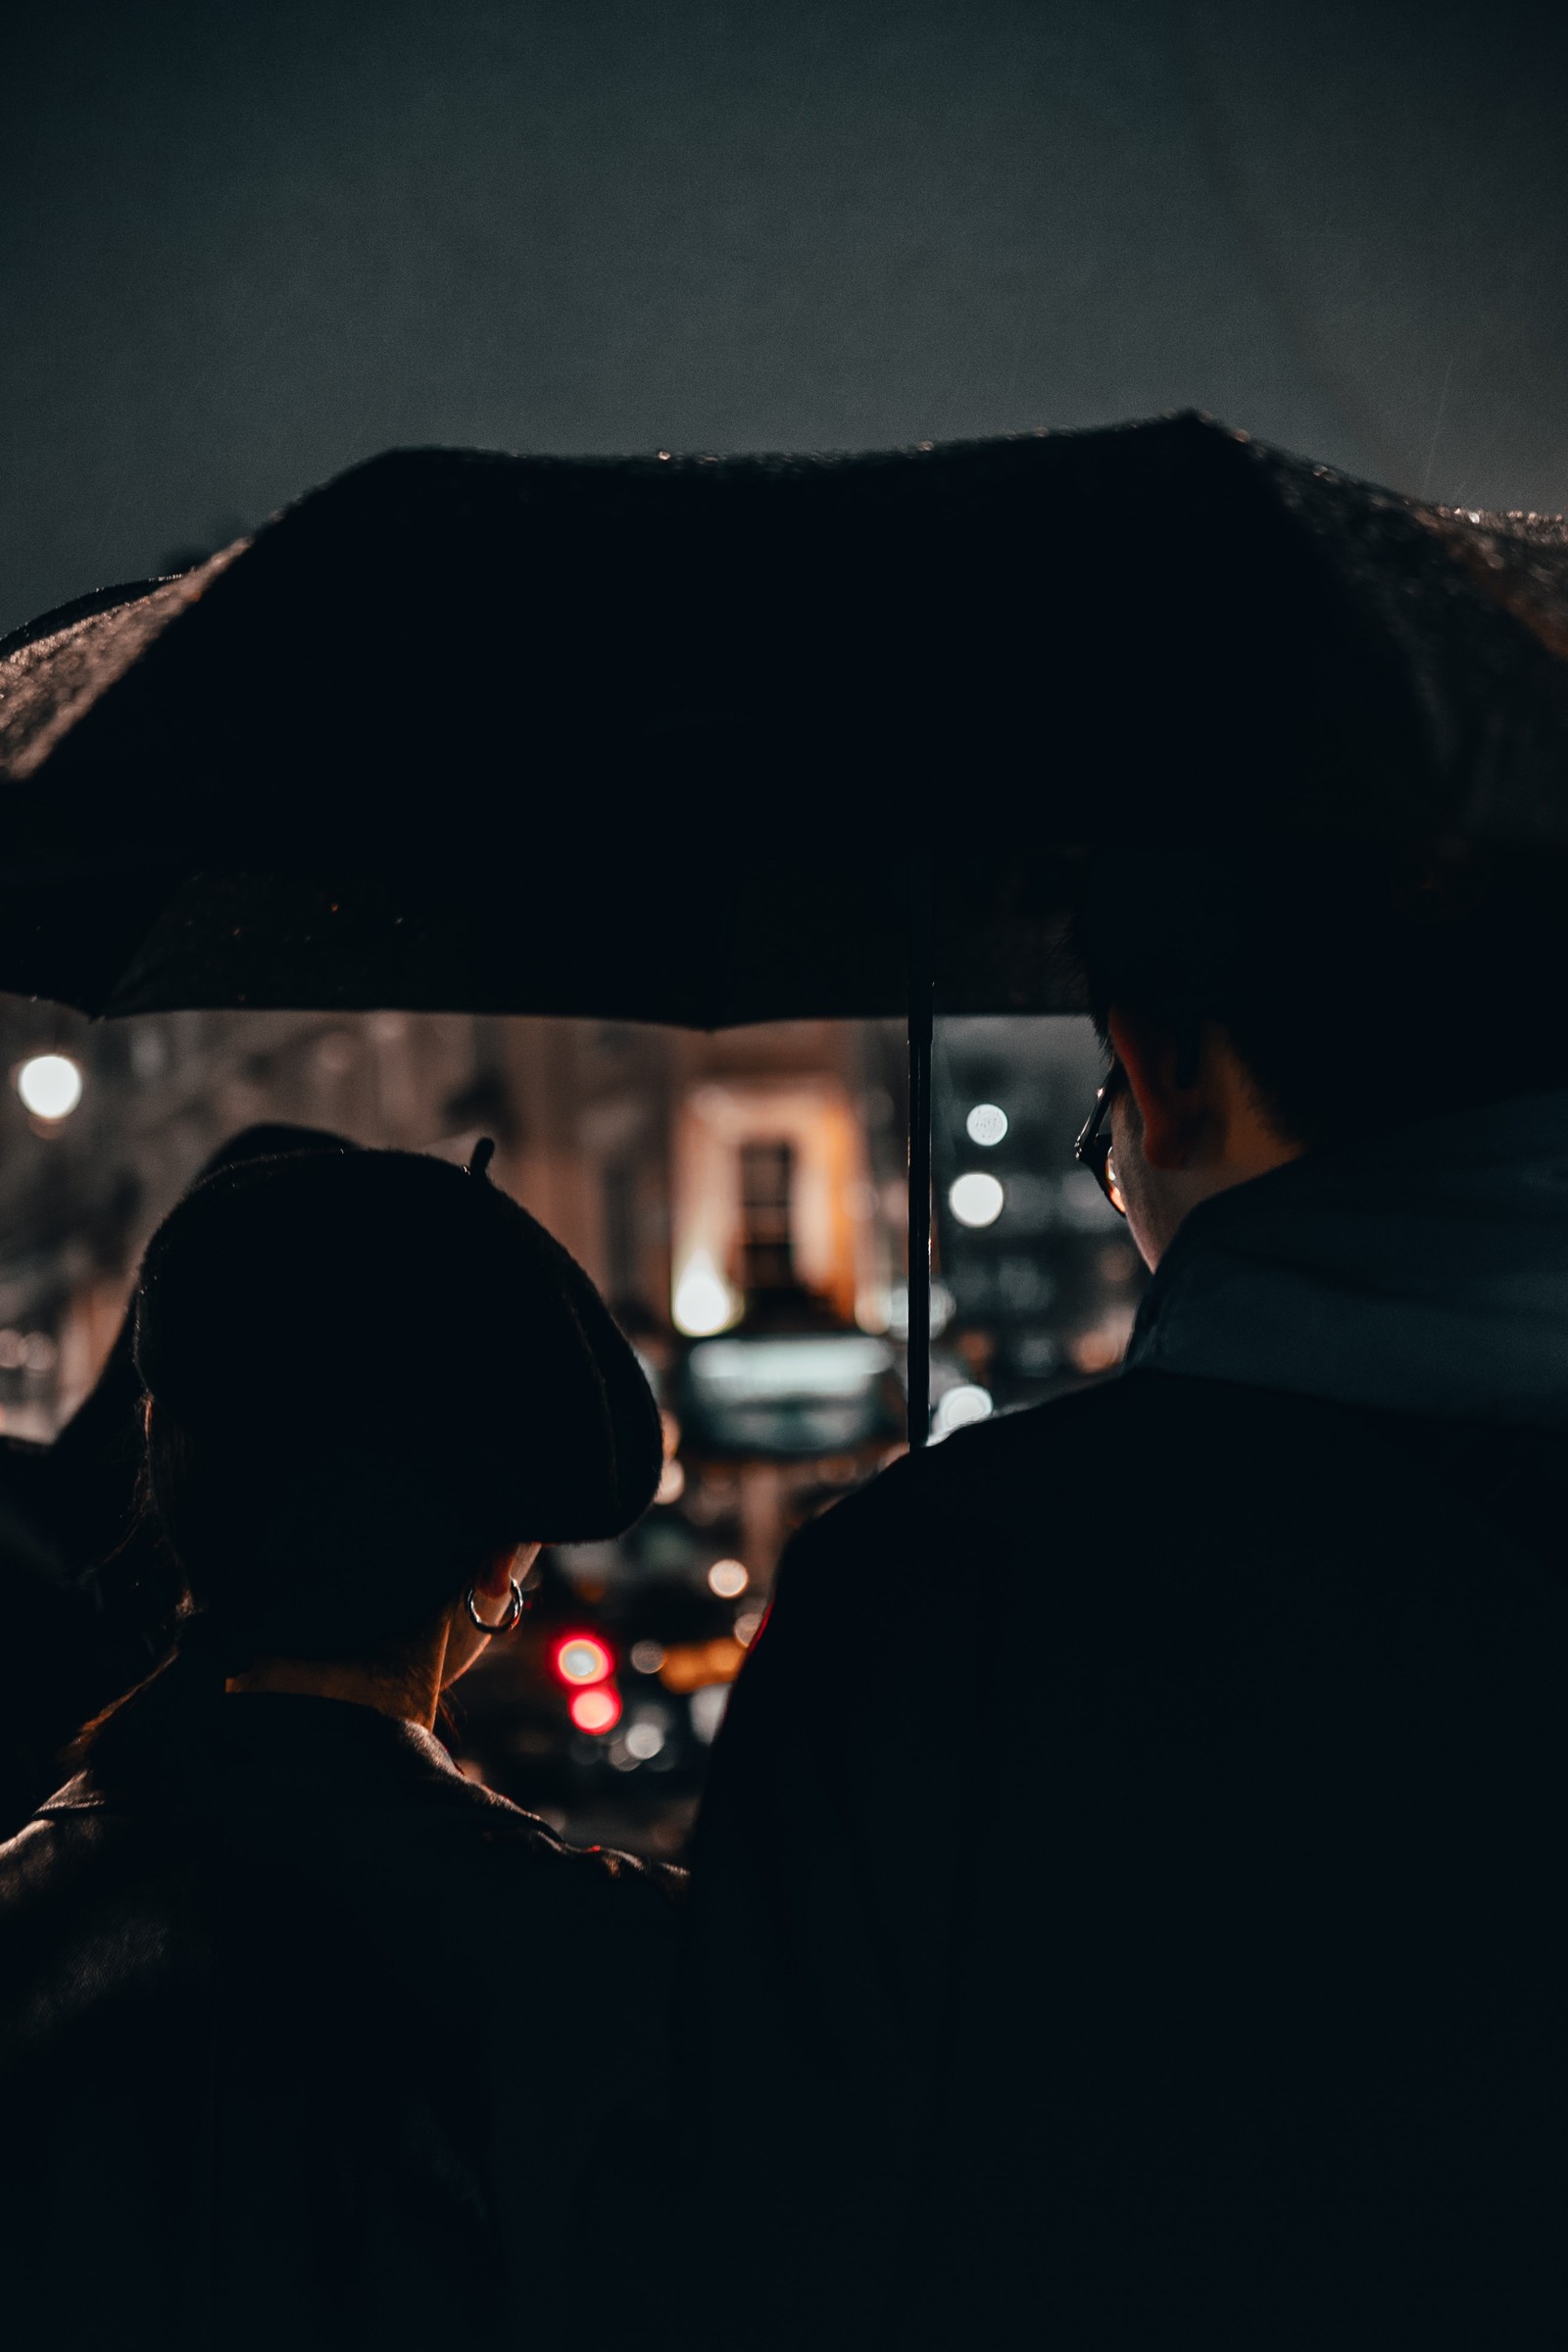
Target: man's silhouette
(1129,1901)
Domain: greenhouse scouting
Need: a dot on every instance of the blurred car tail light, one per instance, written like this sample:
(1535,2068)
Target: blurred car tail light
(596,1710)
(582,1659)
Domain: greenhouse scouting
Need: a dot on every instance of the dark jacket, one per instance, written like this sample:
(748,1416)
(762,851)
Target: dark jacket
(314,2043)
(1140,1829)
(87,1589)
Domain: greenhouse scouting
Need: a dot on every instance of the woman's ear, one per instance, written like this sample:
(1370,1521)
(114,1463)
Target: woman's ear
(512,1560)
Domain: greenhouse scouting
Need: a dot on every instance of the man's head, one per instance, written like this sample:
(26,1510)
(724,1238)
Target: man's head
(1264,1001)
(1178,1126)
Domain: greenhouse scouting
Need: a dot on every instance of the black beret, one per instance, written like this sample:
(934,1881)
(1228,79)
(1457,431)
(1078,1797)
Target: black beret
(400,1309)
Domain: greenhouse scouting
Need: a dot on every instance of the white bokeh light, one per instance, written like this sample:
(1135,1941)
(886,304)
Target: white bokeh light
(704,1302)
(987,1123)
(672,1481)
(941,1306)
(50,1086)
(728,1579)
(707,1709)
(959,1407)
(976,1198)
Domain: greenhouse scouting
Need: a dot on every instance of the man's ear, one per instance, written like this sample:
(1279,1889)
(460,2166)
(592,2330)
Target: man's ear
(1171,1111)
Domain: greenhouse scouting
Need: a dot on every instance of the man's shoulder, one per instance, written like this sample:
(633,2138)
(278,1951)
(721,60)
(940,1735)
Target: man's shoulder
(1135,1447)
(1075,1443)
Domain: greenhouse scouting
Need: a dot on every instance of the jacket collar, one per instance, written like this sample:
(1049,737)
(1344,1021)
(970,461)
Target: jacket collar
(257,1749)
(1424,1271)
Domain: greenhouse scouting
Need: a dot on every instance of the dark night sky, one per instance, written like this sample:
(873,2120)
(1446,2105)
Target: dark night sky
(246,245)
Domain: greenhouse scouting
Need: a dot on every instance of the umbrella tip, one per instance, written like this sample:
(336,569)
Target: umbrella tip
(484,1152)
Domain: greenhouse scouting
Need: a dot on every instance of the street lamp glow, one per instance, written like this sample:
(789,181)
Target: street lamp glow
(976,1198)
(702,1303)
(50,1086)
(986,1124)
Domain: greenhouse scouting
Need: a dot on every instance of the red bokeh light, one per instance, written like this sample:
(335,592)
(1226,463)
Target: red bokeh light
(597,1710)
(582,1659)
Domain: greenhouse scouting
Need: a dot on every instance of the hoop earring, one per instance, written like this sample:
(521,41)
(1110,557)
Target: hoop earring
(515,1608)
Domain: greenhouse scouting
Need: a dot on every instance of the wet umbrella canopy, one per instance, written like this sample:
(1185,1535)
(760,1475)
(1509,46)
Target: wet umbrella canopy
(653,739)
(710,741)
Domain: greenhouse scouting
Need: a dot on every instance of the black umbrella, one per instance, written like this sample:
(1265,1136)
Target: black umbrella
(714,741)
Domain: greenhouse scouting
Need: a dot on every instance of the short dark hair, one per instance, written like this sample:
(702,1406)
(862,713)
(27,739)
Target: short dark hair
(1361,985)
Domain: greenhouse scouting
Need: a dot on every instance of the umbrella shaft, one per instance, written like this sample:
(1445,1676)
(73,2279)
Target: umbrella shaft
(919,1267)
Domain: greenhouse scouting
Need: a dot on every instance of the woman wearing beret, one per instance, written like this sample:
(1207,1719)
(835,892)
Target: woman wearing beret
(304,2038)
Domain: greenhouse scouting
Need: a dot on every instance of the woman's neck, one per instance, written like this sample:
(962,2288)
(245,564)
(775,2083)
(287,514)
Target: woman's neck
(412,1695)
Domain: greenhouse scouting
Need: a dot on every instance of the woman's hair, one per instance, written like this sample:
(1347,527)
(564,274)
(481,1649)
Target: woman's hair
(366,1372)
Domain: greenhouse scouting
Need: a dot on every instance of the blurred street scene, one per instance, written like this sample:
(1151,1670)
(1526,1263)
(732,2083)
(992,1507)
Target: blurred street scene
(740,1199)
